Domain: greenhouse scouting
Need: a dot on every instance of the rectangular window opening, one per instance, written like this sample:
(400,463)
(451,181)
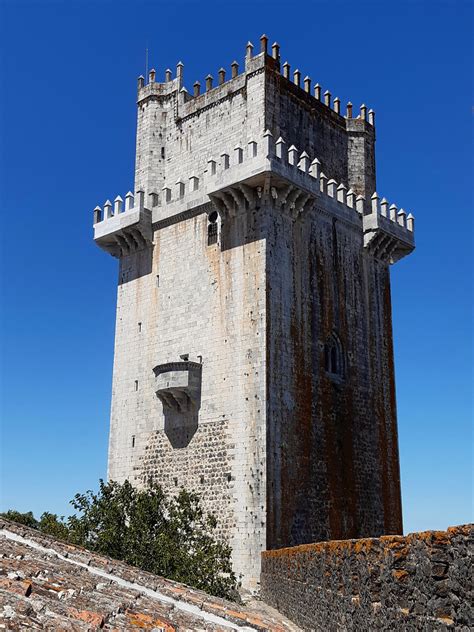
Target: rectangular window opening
(133,441)
(212,231)
(139,327)
(136,385)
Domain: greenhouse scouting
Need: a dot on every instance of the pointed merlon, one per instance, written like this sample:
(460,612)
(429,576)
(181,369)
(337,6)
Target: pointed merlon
(118,205)
(141,82)
(197,88)
(225,160)
(249,50)
(280,149)
(363,112)
(297,77)
(166,194)
(168,75)
(235,69)
(332,184)
(317,92)
(276,50)
(410,222)
(221,76)
(327,98)
(292,155)
(303,163)
(153,199)
(393,212)
(239,154)
(179,72)
(193,183)
(307,84)
(402,218)
(337,105)
(211,166)
(286,70)
(252,148)
(341,193)
(372,117)
(152,75)
(263,44)
(268,143)
(350,198)
(209,80)
(323,179)
(384,207)
(97,215)
(360,203)
(349,110)
(107,209)
(140,199)
(375,202)
(315,168)
(179,189)
(129,201)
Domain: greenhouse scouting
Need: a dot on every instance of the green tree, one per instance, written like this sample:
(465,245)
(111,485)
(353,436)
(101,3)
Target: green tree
(52,525)
(27,518)
(170,536)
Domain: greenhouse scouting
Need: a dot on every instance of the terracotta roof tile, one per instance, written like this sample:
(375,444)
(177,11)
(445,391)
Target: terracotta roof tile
(45,583)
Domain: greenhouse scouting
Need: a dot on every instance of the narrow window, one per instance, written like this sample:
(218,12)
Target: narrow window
(175,482)
(157,280)
(334,356)
(202,480)
(212,228)
(162,152)
(139,327)
(133,441)
(136,385)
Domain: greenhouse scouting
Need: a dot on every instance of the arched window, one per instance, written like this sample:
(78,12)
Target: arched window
(333,356)
(212,228)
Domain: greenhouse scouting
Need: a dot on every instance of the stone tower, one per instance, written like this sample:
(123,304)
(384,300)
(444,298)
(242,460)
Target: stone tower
(253,347)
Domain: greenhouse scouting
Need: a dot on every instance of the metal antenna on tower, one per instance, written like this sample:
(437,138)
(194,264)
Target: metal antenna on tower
(146,60)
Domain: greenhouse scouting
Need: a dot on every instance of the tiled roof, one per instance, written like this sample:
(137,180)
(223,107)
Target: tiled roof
(48,584)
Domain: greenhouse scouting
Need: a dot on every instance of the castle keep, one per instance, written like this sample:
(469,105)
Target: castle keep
(253,347)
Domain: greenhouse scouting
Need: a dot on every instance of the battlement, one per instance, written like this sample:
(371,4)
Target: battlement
(121,230)
(253,63)
(237,179)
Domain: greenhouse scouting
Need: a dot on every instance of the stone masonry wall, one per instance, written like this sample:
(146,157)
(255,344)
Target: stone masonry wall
(183,296)
(332,440)
(422,581)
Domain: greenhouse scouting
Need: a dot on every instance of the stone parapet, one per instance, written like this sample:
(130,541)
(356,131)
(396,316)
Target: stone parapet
(121,231)
(422,581)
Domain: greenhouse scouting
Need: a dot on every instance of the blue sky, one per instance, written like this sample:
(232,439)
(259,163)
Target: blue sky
(68,82)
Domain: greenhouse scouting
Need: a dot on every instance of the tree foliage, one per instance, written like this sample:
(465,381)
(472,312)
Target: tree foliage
(170,536)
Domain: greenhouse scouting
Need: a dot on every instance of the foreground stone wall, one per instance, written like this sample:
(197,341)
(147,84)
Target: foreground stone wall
(422,581)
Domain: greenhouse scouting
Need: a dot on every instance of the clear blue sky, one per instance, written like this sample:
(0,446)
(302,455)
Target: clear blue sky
(68,84)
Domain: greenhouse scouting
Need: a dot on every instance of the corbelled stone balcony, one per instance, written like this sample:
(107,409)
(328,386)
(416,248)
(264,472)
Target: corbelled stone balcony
(178,385)
(388,232)
(121,231)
